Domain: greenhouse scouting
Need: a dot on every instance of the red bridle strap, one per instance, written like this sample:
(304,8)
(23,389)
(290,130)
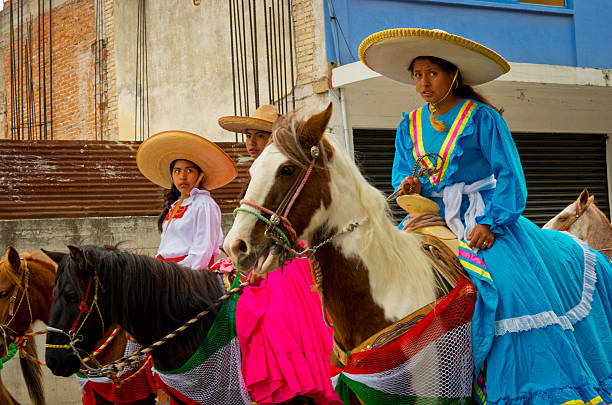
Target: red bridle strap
(82,307)
(285,221)
(289,200)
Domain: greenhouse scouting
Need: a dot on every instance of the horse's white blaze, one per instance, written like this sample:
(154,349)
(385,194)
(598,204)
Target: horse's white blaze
(262,173)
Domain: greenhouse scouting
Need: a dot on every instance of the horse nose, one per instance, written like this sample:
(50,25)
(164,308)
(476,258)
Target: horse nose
(239,247)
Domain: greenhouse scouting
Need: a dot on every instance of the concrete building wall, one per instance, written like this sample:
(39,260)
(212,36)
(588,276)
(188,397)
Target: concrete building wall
(138,234)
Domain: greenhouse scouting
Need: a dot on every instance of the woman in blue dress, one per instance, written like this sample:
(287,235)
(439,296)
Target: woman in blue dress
(543,318)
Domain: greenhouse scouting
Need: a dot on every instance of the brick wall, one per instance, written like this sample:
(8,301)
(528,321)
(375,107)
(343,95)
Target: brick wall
(74,98)
(312,67)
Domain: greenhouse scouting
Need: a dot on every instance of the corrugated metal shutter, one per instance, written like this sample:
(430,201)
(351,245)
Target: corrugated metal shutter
(71,179)
(557,167)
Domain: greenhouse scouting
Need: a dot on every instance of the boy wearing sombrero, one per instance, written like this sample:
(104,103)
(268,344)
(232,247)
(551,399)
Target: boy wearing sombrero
(189,166)
(257,127)
(532,320)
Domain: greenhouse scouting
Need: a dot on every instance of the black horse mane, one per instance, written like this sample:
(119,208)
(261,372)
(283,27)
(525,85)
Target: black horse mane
(148,296)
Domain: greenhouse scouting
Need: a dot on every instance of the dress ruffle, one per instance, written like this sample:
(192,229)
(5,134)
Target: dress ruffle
(284,341)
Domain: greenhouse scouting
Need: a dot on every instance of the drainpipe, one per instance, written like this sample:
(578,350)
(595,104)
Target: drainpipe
(348,138)
(348,135)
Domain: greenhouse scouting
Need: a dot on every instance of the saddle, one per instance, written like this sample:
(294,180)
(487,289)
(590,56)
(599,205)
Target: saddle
(424,219)
(448,272)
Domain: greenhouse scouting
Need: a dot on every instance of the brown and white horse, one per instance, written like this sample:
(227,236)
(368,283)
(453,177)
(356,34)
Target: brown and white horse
(583,219)
(370,276)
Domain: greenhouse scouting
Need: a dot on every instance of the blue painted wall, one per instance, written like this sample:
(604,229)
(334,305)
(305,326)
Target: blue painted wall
(578,35)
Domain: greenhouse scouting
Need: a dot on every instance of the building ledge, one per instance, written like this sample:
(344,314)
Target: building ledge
(356,72)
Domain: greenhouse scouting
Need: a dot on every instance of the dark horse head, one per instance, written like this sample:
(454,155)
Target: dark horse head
(97,286)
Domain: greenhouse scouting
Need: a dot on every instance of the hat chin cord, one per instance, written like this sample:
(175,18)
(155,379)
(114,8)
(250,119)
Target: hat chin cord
(438,125)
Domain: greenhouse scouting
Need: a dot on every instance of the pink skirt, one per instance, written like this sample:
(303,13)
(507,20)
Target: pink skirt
(284,341)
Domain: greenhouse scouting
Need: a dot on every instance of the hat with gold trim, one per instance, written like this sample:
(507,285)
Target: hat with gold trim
(390,53)
(157,152)
(262,120)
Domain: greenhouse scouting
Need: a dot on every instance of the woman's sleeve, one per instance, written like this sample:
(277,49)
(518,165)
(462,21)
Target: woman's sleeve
(207,235)
(508,199)
(403,162)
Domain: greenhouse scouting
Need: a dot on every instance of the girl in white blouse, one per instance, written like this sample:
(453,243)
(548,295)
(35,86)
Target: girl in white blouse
(189,166)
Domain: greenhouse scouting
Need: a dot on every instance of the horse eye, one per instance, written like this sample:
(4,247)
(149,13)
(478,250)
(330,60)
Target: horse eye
(287,170)
(71,297)
(4,294)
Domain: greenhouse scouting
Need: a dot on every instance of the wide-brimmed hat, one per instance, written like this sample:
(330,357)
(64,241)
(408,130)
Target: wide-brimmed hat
(157,152)
(390,53)
(262,120)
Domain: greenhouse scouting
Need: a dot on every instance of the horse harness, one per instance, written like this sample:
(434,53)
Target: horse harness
(577,215)
(273,230)
(73,334)
(448,272)
(24,283)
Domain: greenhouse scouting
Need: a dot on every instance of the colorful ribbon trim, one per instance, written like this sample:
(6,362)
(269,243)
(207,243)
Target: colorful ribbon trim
(448,146)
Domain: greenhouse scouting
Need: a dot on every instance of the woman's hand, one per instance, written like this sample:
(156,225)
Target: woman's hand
(481,237)
(410,185)
(255,278)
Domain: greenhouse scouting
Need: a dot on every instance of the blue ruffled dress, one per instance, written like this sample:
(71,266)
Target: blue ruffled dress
(543,317)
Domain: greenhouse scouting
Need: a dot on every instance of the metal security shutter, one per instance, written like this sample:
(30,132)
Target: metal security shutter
(557,167)
(374,151)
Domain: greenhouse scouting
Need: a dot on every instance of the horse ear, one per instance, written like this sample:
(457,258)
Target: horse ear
(584,197)
(77,256)
(55,256)
(311,131)
(13,257)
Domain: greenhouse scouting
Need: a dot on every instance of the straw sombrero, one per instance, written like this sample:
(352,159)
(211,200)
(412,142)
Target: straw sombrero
(391,52)
(157,152)
(262,120)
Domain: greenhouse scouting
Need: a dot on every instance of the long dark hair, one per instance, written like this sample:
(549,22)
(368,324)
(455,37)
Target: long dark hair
(172,195)
(462,90)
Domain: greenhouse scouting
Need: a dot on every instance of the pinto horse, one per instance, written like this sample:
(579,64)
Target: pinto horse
(149,298)
(583,219)
(369,273)
(26,285)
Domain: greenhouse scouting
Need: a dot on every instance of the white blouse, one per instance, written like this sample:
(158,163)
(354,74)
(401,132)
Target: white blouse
(194,234)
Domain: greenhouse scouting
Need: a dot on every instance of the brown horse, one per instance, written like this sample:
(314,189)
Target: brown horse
(26,292)
(583,219)
(304,187)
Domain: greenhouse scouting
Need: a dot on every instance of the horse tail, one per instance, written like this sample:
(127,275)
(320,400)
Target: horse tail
(32,374)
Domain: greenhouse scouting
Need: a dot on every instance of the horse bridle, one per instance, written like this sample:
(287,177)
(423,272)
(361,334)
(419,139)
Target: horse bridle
(24,282)
(274,232)
(577,215)
(73,334)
